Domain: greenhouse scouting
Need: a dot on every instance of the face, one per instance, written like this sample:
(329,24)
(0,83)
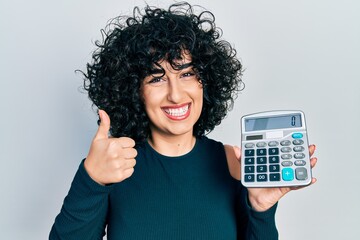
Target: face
(173,101)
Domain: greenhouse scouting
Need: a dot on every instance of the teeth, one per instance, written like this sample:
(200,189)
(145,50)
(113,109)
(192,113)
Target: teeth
(177,111)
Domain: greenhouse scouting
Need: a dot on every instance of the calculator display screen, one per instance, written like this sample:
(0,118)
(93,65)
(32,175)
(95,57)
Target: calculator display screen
(276,122)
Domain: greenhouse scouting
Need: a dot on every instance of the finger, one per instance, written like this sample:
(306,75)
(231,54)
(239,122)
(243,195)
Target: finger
(312,149)
(126,142)
(129,153)
(313,162)
(104,127)
(313,180)
(237,152)
(130,163)
(128,172)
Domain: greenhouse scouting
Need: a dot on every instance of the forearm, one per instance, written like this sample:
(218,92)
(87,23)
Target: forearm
(262,225)
(256,225)
(83,214)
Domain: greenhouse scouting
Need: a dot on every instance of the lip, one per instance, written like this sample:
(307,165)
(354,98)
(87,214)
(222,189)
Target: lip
(178,112)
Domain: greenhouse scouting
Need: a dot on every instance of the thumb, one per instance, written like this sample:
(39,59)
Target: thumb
(237,152)
(104,126)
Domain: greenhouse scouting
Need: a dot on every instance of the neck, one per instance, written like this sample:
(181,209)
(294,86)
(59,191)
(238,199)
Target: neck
(172,145)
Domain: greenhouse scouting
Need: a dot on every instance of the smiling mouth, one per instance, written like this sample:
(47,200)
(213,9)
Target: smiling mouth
(177,113)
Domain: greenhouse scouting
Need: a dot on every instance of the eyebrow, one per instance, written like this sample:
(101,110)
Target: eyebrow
(160,70)
(157,71)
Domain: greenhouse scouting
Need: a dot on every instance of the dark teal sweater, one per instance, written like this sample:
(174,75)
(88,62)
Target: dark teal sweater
(188,197)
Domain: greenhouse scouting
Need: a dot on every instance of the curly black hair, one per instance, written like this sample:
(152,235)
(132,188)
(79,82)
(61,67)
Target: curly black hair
(132,45)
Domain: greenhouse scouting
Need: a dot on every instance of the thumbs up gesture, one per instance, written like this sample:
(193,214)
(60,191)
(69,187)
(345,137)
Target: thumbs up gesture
(110,160)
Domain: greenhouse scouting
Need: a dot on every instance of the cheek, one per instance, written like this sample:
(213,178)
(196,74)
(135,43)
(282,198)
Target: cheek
(151,101)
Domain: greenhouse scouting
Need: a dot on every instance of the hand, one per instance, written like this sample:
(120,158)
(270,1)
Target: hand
(261,199)
(110,160)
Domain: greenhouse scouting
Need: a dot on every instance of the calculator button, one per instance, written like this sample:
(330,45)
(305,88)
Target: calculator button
(287,163)
(249,169)
(300,163)
(299,149)
(274,159)
(285,143)
(274,168)
(286,156)
(261,160)
(261,144)
(261,168)
(297,135)
(299,155)
(249,160)
(249,178)
(274,177)
(273,151)
(273,144)
(298,142)
(288,174)
(261,152)
(249,152)
(249,145)
(286,149)
(261,177)
(301,173)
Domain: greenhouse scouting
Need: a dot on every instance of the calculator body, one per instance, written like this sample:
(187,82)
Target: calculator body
(275,150)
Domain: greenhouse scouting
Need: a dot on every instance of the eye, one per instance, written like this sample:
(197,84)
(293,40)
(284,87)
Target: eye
(188,74)
(155,80)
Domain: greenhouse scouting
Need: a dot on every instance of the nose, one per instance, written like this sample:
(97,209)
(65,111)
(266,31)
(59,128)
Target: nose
(175,91)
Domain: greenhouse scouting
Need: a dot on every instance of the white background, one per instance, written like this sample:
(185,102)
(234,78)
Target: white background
(297,55)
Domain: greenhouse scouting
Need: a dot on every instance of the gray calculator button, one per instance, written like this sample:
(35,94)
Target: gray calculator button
(273,151)
(261,177)
(301,173)
(274,159)
(261,168)
(249,169)
(249,178)
(249,160)
(273,143)
(287,163)
(298,142)
(274,168)
(300,163)
(286,149)
(286,156)
(285,143)
(249,145)
(299,155)
(261,160)
(249,152)
(261,144)
(274,177)
(261,151)
(299,149)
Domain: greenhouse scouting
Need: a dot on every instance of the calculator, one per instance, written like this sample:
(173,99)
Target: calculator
(274,148)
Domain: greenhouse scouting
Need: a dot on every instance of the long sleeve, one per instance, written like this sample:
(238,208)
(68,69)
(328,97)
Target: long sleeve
(84,210)
(253,225)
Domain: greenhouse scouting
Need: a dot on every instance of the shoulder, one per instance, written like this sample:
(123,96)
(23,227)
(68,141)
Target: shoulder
(210,143)
(232,154)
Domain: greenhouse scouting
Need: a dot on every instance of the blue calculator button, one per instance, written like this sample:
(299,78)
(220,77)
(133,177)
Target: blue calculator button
(297,135)
(287,174)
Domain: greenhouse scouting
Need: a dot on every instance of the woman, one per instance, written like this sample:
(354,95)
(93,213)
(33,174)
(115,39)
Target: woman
(162,79)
